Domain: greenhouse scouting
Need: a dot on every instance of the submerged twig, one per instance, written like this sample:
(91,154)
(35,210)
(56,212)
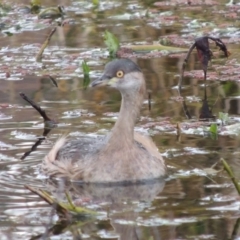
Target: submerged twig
(184,65)
(48,125)
(186,111)
(46,131)
(235,229)
(52,79)
(205,111)
(149,100)
(178,132)
(45,44)
(64,226)
(70,201)
(231,175)
(33,148)
(65,210)
(184,106)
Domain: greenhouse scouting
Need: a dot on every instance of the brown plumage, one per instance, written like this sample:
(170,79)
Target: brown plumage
(123,155)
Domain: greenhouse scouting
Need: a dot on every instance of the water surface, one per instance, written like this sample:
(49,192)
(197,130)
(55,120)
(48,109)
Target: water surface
(194,201)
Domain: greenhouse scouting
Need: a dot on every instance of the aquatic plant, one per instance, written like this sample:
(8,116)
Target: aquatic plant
(204,54)
(86,70)
(214,131)
(95,2)
(112,43)
(223,117)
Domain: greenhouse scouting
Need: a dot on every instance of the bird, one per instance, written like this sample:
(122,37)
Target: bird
(123,155)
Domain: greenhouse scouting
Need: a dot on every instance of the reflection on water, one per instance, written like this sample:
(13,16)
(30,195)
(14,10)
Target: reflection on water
(193,203)
(119,205)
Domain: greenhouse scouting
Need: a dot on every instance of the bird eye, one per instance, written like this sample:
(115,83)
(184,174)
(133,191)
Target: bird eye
(120,74)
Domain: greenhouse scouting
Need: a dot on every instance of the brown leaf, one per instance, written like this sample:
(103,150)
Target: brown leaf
(204,53)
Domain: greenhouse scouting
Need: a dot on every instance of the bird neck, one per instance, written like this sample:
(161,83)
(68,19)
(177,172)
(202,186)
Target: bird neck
(123,130)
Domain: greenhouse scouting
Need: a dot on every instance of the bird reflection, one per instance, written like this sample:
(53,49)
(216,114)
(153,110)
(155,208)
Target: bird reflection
(123,205)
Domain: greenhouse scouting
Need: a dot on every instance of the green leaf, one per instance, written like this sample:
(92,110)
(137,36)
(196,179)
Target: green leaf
(213,128)
(85,68)
(112,43)
(214,131)
(95,2)
(86,78)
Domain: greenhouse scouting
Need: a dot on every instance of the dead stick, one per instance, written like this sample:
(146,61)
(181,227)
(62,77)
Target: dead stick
(35,106)
(149,100)
(45,44)
(184,65)
(40,194)
(33,148)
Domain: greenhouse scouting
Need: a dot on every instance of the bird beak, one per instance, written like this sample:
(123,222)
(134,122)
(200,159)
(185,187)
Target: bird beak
(103,81)
(100,81)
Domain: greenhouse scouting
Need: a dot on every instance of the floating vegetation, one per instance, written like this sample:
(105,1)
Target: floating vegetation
(137,51)
(155,47)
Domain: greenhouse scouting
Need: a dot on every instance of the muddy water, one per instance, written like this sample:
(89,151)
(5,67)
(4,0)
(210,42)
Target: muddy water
(194,201)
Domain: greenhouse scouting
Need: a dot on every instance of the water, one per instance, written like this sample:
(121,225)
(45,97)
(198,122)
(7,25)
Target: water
(195,201)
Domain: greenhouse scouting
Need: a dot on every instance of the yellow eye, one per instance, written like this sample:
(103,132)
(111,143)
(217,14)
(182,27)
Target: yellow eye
(120,74)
